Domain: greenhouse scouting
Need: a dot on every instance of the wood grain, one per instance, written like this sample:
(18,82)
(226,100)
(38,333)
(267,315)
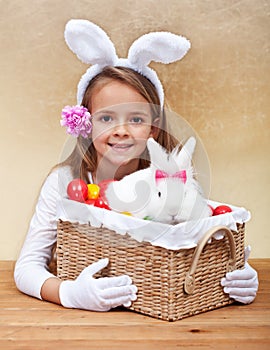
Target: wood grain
(27,323)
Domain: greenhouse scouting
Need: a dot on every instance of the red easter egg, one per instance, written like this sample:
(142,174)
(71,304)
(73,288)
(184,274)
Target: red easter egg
(103,187)
(101,203)
(90,201)
(222,209)
(77,190)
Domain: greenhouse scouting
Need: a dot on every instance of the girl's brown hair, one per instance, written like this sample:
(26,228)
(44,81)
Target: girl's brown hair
(83,158)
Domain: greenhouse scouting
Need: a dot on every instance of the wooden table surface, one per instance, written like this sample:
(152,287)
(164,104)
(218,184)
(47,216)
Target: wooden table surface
(27,323)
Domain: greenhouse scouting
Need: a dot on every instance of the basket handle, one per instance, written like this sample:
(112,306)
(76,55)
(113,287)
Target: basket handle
(189,283)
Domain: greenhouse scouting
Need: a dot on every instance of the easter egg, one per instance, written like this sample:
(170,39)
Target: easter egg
(101,203)
(222,209)
(90,201)
(126,213)
(147,217)
(93,191)
(103,185)
(77,190)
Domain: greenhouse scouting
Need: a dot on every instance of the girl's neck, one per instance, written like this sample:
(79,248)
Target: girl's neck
(109,172)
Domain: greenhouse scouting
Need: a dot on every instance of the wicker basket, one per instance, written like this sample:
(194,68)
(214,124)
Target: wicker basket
(172,284)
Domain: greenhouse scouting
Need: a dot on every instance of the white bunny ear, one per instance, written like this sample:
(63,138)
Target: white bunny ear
(158,154)
(190,146)
(161,47)
(89,42)
(184,157)
(93,46)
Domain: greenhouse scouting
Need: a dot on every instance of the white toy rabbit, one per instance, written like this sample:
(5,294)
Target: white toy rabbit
(166,191)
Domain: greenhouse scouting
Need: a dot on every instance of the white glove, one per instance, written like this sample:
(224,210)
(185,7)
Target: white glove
(99,294)
(242,285)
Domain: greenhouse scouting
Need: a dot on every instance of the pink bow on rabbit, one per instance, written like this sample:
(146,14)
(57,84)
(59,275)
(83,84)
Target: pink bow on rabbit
(182,175)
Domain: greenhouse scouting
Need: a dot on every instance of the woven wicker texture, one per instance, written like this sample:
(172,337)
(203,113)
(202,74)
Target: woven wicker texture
(158,273)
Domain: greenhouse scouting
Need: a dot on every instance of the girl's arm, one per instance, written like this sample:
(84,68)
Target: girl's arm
(32,275)
(50,290)
(31,269)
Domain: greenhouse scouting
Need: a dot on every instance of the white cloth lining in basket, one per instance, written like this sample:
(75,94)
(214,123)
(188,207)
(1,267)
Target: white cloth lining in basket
(174,237)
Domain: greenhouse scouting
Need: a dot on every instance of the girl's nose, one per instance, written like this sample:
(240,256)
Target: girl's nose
(121,129)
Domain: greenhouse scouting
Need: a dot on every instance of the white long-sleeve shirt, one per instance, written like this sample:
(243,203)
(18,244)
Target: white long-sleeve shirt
(31,269)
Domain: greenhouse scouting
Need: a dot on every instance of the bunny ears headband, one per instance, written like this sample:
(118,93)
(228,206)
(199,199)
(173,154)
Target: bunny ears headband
(93,46)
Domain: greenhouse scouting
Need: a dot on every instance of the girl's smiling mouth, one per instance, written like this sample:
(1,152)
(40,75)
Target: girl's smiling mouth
(120,146)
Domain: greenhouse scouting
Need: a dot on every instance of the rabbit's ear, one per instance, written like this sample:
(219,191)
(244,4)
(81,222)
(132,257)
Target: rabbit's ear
(184,157)
(158,154)
(161,47)
(89,42)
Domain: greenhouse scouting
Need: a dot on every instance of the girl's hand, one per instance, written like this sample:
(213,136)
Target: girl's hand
(99,294)
(242,285)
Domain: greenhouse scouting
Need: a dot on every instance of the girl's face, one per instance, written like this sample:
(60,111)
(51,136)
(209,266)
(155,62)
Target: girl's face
(122,124)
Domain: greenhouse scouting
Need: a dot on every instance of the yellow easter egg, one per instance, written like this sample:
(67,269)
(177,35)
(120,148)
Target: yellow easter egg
(93,191)
(126,213)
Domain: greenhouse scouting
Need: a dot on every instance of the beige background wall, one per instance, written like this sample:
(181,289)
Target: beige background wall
(221,88)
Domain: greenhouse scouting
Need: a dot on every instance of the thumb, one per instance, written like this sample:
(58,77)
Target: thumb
(95,267)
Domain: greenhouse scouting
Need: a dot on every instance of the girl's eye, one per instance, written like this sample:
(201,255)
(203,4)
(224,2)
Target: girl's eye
(106,118)
(137,120)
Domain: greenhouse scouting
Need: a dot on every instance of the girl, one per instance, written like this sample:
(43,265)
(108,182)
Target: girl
(126,108)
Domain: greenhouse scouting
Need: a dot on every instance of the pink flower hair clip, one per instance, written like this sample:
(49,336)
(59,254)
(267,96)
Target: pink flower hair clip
(77,120)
